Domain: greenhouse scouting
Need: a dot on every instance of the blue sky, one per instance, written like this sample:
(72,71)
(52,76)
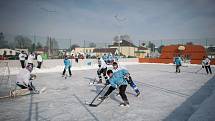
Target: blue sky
(101,20)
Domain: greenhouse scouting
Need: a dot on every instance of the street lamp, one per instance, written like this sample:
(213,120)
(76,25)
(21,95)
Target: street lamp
(120,21)
(119,41)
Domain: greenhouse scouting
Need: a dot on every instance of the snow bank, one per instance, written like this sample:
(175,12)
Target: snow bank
(57,65)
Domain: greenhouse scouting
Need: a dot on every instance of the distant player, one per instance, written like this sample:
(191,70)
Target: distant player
(117,80)
(127,77)
(177,62)
(206,64)
(102,70)
(31,57)
(24,77)
(39,60)
(67,65)
(22,57)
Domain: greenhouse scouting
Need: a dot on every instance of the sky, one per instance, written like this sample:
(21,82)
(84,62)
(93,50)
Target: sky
(101,20)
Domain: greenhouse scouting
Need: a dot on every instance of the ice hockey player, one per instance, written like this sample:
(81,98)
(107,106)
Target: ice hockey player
(127,77)
(22,57)
(67,65)
(39,60)
(178,64)
(24,79)
(31,57)
(206,64)
(102,70)
(117,80)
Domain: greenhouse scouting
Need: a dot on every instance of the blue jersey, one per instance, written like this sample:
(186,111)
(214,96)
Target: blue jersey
(67,63)
(178,61)
(118,78)
(105,57)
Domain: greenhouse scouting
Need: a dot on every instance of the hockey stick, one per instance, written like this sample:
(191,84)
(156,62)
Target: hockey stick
(198,70)
(94,105)
(92,82)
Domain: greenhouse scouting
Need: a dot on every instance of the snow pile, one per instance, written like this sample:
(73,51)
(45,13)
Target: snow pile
(59,68)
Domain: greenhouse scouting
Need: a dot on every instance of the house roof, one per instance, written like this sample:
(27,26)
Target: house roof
(105,50)
(140,51)
(142,48)
(123,43)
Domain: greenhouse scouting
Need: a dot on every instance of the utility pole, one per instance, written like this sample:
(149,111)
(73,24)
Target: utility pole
(161,42)
(34,43)
(119,43)
(70,42)
(84,46)
(49,45)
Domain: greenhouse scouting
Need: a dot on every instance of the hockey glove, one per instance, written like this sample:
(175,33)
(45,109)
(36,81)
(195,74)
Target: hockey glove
(114,86)
(107,82)
(127,76)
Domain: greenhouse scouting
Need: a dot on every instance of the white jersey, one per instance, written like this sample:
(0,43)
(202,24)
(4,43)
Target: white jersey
(102,63)
(39,58)
(22,56)
(206,62)
(23,77)
(31,58)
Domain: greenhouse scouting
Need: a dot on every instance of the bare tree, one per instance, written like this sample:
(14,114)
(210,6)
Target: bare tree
(189,43)
(151,46)
(92,44)
(22,42)
(39,45)
(122,37)
(160,48)
(52,46)
(125,37)
(116,39)
(4,43)
(74,46)
(143,44)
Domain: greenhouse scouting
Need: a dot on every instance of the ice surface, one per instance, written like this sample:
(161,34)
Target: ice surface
(165,95)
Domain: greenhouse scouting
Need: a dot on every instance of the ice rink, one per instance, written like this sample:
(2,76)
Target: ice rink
(165,95)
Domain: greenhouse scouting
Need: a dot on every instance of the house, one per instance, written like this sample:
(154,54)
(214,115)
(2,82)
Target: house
(20,50)
(211,52)
(86,50)
(142,52)
(7,52)
(101,51)
(125,48)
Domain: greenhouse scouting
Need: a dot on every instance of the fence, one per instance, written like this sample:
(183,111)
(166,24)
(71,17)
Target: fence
(5,82)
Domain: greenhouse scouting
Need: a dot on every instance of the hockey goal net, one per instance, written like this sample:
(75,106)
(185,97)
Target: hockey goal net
(5,82)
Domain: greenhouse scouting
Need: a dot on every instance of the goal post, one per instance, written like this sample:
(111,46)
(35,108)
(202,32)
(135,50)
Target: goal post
(5,81)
